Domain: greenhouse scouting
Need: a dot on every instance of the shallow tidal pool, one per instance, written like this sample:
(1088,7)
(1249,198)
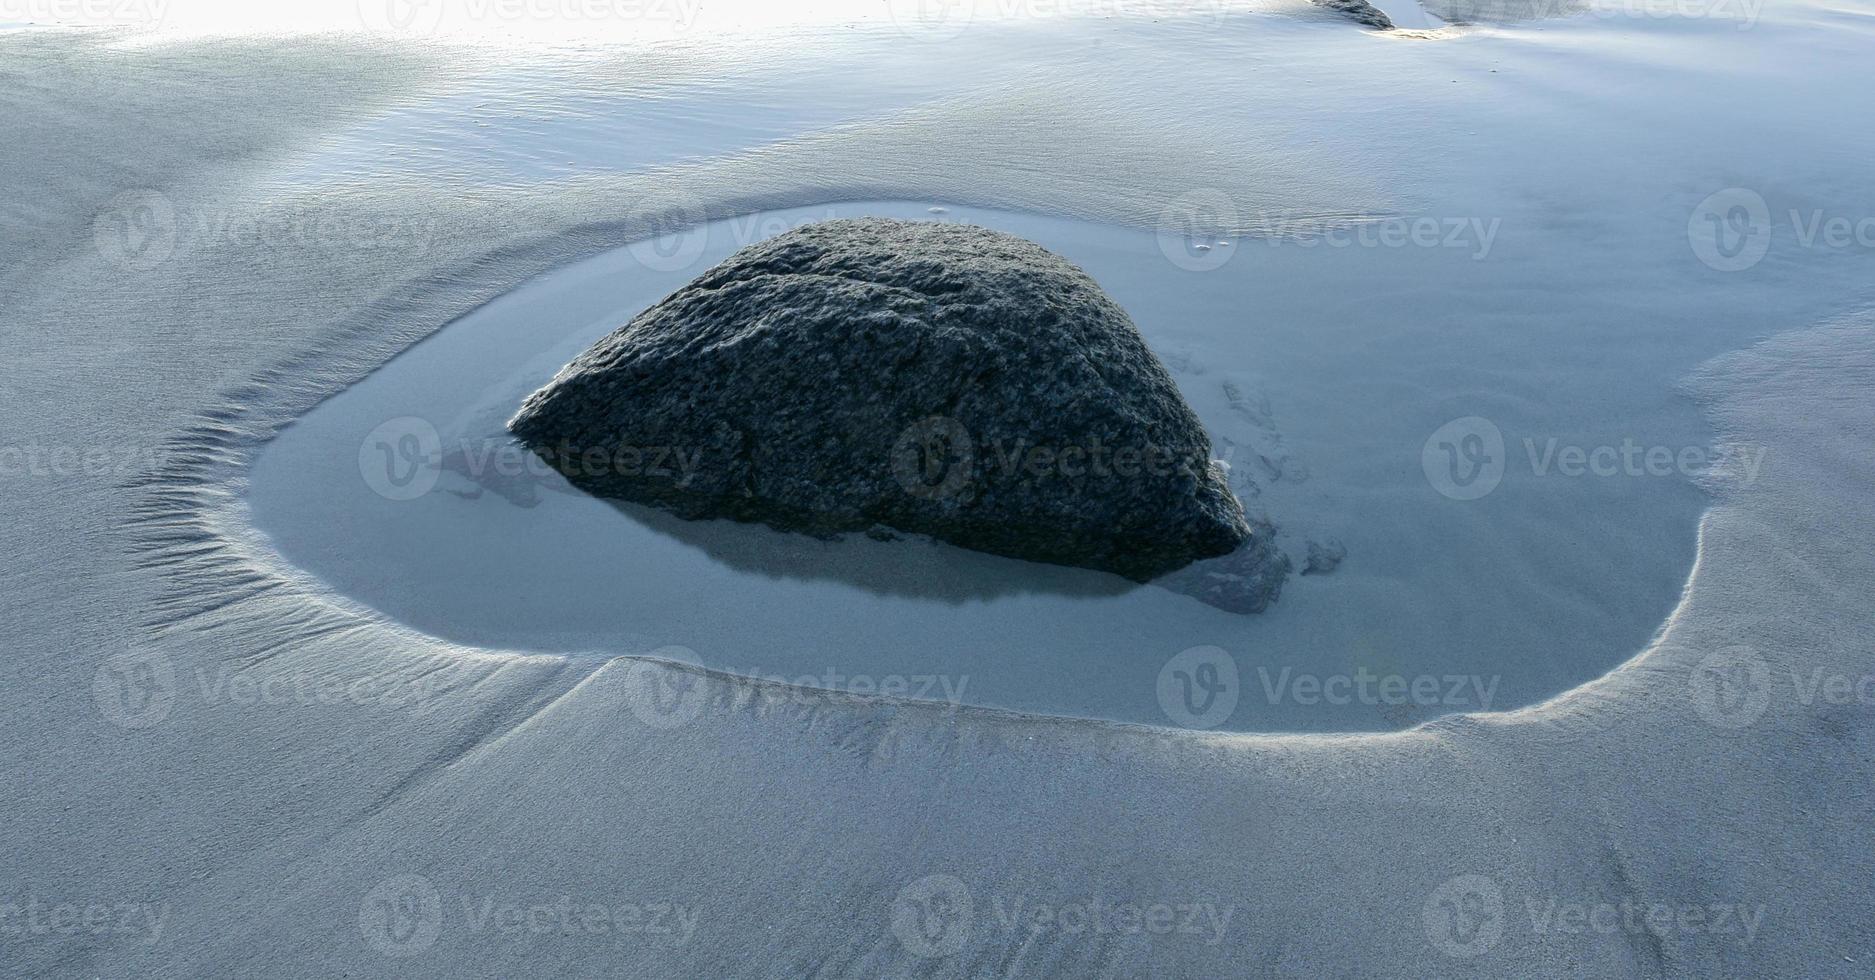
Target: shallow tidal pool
(1480,532)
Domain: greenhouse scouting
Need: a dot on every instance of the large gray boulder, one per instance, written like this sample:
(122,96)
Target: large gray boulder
(932,378)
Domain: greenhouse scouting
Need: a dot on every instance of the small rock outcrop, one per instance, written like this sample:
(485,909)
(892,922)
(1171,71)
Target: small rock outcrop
(1324,557)
(1360,11)
(927,377)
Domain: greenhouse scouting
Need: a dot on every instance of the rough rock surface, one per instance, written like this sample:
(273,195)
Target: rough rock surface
(935,378)
(1245,581)
(1359,11)
(1324,557)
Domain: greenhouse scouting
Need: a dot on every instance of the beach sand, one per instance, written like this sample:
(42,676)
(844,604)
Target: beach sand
(258,759)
